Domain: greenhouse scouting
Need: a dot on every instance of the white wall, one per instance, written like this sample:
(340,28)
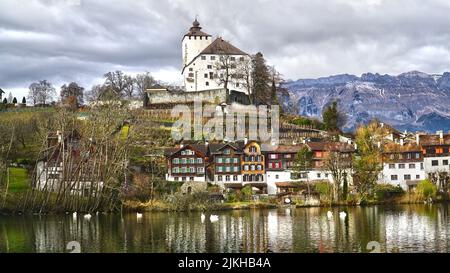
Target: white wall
(427,162)
(196,178)
(385,176)
(200,68)
(193,46)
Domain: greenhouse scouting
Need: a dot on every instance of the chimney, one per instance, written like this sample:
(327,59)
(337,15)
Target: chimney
(417,139)
(245,140)
(382,124)
(294,142)
(440,133)
(401,142)
(356,146)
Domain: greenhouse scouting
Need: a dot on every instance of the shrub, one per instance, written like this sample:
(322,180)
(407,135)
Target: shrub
(426,189)
(387,191)
(323,188)
(247,192)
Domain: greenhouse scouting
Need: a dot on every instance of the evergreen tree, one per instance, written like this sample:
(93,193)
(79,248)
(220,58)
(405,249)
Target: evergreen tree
(24,101)
(5,101)
(261,79)
(14,100)
(332,118)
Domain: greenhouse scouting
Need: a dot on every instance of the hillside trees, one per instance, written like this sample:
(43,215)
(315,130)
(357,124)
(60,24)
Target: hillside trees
(41,92)
(72,94)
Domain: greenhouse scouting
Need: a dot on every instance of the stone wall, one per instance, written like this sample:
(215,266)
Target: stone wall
(174,97)
(193,186)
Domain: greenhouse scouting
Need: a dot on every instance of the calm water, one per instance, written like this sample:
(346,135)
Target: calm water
(408,228)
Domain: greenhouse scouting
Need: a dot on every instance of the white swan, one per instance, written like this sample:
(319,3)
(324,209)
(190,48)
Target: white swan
(202,217)
(329,214)
(87,216)
(74,215)
(214,218)
(342,214)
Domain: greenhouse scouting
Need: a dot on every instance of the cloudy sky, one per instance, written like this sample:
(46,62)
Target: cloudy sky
(80,40)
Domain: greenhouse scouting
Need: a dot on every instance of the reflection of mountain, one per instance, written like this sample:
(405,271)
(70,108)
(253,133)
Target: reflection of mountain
(412,101)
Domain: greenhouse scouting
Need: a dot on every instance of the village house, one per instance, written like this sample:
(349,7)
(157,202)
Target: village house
(402,165)
(187,163)
(253,171)
(436,152)
(225,168)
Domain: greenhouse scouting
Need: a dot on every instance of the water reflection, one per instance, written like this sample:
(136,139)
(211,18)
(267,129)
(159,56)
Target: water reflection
(409,228)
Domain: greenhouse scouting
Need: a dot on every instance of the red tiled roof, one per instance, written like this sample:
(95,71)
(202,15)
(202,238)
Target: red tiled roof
(330,146)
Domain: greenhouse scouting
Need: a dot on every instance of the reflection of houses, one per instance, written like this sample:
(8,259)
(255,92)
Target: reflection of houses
(65,166)
(402,165)
(187,163)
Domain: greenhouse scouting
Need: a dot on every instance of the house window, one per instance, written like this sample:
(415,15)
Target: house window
(417,176)
(401,166)
(421,166)
(235,160)
(259,167)
(203,57)
(199,160)
(236,168)
(252,167)
(213,58)
(287,156)
(209,66)
(227,151)
(235,178)
(232,58)
(228,169)
(175,170)
(445,162)
(191,69)
(241,59)
(412,166)
(273,156)
(227,160)
(434,163)
(183,178)
(219,178)
(200,170)
(219,160)
(175,178)
(277,176)
(192,170)
(245,178)
(183,152)
(245,167)
(191,75)
(219,169)
(211,75)
(227,178)
(191,178)
(253,149)
(417,155)
(183,170)
(394,177)
(191,161)
(206,75)
(207,83)
(407,177)
(175,161)
(391,166)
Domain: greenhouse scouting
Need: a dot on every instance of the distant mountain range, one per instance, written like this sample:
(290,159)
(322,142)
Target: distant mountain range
(412,101)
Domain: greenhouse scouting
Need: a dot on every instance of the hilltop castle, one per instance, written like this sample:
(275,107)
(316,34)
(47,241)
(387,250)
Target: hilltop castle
(214,71)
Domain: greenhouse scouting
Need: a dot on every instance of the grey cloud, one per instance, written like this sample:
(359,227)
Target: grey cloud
(62,42)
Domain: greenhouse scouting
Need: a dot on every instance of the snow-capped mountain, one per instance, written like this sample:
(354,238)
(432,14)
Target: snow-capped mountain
(409,101)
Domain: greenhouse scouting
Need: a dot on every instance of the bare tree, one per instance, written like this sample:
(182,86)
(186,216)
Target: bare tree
(339,164)
(119,83)
(41,92)
(143,82)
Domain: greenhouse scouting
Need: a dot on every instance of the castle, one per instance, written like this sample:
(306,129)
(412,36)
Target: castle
(214,71)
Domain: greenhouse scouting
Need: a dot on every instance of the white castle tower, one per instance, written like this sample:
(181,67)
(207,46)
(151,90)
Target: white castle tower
(194,42)
(201,57)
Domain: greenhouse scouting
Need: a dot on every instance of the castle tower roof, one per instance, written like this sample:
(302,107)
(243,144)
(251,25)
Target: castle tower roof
(195,30)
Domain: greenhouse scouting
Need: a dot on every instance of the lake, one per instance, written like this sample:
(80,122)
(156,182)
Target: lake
(400,228)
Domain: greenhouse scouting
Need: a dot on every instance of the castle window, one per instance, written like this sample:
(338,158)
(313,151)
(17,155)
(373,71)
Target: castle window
(211,75)
(213,58)
(434,163)
(209,66)
(191,74)
(203,57)
(191,69)
(391,166)
(233,58)
(407,177)
(207,83)
(233,66)
(227,178)
(235,178)
(237,84)
(394,177)
(412,166)
(206,75)
(241,59)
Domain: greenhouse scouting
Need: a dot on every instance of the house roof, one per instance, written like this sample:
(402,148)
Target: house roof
(202,148)
(288,149)
(1,91)
(431,140)
(397,148)
(330,146)
(216,147)
(221,47)
(195,30)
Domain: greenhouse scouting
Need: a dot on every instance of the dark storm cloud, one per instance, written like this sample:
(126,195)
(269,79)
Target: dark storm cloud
(79,40)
